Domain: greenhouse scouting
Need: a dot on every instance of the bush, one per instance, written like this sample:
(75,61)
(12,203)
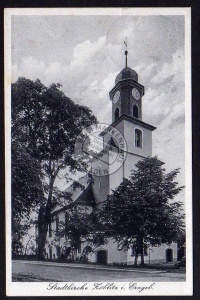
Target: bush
(181,263)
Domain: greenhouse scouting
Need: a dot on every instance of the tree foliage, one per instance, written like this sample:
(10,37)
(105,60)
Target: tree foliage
(27,188)
(26,191)
(140,211)
(78,224)
(46,123)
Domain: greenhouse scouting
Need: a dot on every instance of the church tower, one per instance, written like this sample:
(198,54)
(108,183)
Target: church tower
(126,97)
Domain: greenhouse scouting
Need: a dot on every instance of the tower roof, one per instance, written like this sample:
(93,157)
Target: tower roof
(126,73)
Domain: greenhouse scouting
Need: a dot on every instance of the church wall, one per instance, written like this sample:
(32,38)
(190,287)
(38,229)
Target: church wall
(100,188)
(157,254)
(101,183)
(127,128)
(119,126)
(116,174)
(129,163)
(115,178)
(129,133)
(113,254)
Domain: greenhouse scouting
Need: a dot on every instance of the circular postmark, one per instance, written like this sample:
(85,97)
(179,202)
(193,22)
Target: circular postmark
(100,149)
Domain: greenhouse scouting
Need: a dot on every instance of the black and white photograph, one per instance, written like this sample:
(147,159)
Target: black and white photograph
(98,151)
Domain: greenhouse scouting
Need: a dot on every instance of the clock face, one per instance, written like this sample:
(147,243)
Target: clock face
(116,97)
(135,94)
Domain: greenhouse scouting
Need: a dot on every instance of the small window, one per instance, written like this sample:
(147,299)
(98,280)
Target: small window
(116,113)
(135,111)
(138,138)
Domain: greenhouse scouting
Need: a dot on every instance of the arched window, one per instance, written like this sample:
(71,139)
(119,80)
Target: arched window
(135,111)
(138,138)
(116,113)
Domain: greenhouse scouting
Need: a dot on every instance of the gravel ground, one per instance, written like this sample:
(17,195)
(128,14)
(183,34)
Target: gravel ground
(42,271)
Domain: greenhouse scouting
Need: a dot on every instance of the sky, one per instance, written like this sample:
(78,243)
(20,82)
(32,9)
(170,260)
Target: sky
(85,53)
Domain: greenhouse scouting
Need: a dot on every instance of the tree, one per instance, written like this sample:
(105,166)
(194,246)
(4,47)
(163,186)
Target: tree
(140,212)
(26,192)
(79,224)
(76,226)
(47,124)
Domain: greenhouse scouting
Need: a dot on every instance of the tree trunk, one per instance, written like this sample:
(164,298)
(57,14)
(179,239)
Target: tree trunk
(44,218)
(142,251)
(136,256)
(142,259)
(42,232)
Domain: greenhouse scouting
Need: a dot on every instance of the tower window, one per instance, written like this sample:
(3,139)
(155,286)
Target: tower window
(116,113)
(135,111)
(138,138)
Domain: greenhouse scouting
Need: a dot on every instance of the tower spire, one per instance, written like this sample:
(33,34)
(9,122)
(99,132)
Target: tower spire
(126,52)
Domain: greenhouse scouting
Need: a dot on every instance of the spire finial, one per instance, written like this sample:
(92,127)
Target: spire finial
(126,52)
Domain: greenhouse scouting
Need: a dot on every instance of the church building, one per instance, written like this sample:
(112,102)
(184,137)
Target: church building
(126,97)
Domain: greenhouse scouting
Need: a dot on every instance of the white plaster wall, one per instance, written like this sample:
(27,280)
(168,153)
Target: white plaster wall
(101,183)
(133,155)
(113,254)
(157,254)
(119,126)
(115,178)
(129,134)
(129,164)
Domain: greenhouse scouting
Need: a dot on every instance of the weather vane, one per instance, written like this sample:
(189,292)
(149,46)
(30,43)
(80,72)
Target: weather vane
(126,52)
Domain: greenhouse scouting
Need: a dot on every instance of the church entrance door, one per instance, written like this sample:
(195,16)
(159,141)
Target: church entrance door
(102,257)
(169,255)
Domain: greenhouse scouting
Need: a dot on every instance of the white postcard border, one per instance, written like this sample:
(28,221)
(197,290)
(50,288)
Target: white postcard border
(41,288)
